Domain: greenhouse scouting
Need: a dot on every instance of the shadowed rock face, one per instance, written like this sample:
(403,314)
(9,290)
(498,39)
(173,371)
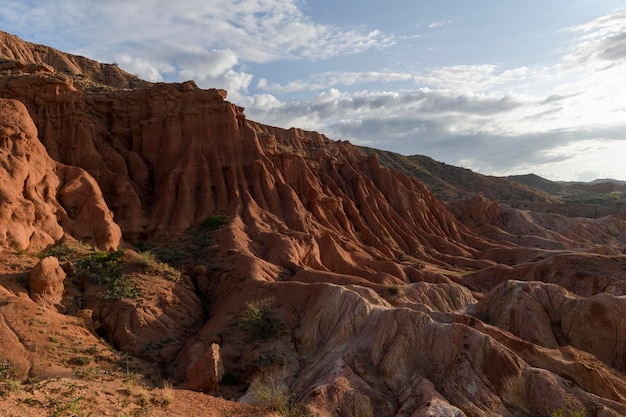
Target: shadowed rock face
(382,300)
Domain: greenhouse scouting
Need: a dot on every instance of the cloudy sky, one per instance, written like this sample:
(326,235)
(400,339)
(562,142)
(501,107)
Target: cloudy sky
(495,86)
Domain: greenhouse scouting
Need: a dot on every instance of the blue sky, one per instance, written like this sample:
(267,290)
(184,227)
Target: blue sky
(498,87)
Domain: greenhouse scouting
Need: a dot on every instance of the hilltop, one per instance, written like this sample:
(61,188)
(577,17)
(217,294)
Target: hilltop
(450,183)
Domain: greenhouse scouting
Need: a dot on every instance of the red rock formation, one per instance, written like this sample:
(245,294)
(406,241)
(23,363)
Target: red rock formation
(50,60)
(593,324)
(542,230)
(207,370)
(383,302)
(152,317)
(34,189)
(45,281)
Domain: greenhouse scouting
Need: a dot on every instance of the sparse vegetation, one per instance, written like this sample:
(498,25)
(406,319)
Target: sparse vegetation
(258,320)
(168,393)
(105,268)
(101,267)
(149,260)
(269,393)
(122,288)
(8,382)
(567,413)
(66,250)
(214,222)
(19,252)
(172,254)
(5,370)
(88,373)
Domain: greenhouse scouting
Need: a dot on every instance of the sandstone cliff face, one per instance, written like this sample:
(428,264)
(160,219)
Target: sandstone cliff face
(379,299)
(39,196)
(169,156)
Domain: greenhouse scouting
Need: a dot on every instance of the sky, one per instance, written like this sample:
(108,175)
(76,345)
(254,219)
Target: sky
(502,88)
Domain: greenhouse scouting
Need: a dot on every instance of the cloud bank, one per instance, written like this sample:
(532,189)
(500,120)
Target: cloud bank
(488,117)
(201,39)
(492,119)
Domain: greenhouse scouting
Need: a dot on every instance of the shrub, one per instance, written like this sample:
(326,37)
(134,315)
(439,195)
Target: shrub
(258,320)
(101,267)
(214,222)
(105,268)
(267,392)
(8,380)
(64,251)
(168,393)
(123,287)
(5,370)
(149,260)
(569,413)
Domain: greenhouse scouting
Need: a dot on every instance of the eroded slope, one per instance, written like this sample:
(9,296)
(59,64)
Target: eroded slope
(310,269)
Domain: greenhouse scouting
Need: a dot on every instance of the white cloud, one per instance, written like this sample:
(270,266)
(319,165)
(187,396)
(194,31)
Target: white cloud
(499,120)
(141,67)
(602,40)
(495,118)
(325,80)
(439,23)
(201,65)
(202,39)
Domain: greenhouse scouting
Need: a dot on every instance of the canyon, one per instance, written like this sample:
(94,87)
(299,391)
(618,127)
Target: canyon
(164,255)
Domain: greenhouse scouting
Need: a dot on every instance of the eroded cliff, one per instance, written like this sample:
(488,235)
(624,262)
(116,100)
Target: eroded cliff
(374,298)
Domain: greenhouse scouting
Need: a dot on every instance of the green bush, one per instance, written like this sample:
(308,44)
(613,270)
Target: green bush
(214,222)
(269,394)
(5,370)
(101,267)
(105,268)
(567,413)
(122,288)
(258,320)
(149,260)
(64,251)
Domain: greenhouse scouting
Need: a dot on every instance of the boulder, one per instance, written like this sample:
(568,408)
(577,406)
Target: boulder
(206,368)
(45,281)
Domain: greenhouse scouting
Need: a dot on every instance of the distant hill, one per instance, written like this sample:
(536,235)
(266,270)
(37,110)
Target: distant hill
(603,192)
(609,180)
(540,183)
(448,182)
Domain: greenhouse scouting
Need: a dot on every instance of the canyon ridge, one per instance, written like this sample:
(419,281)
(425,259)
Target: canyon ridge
(163,255)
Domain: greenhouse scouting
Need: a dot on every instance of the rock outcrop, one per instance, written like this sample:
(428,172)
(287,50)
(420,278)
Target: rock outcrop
(45,59)
(45,281)
(35,188)
(593,324)
(207,369)
(145,311)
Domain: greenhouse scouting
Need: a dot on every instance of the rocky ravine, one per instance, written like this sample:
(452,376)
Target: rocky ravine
(310,269)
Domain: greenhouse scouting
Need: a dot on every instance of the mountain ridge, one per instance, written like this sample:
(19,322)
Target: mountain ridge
(450,183)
